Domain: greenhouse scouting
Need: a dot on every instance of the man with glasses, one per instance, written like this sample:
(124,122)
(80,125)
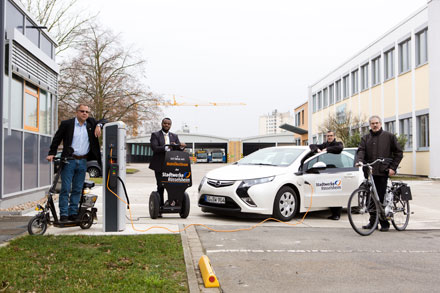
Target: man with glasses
(333,147)
(80,136)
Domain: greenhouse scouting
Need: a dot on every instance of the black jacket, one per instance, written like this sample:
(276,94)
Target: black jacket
(157,142)
(65,134)
(334,147)
(380,144)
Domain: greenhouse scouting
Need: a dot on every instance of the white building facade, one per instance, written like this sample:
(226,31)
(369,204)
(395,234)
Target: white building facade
(270,123)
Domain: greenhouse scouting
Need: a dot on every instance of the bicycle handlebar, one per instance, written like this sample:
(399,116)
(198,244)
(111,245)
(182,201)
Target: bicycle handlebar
(378,160)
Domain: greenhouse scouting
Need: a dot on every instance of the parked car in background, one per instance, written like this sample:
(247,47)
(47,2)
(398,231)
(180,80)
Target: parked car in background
(93,168)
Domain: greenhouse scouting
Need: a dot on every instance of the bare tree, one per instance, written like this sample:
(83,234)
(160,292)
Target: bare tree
(345,125)
(108,78)
(61,17)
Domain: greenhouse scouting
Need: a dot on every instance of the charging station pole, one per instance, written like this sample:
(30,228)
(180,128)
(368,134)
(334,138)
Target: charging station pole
(113,161)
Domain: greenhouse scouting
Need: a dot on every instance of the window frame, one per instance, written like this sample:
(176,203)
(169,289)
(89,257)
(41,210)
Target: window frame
(338,91)
(424,147)
(388,58)
(364,77)
(423,32)
(405,46)
(375,71)
(355,82)
(346,86)
(37,96)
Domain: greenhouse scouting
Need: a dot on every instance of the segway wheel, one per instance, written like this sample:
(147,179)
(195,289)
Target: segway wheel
(37,225)
(86,220)
(153,205)
(184,212)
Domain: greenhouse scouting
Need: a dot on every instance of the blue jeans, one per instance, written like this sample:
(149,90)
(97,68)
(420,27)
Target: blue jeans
(72,181)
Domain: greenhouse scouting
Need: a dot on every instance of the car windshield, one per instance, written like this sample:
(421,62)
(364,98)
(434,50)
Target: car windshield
(272,157)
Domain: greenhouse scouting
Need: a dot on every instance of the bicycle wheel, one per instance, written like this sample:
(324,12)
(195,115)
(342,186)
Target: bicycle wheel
(360,205)
(401,213)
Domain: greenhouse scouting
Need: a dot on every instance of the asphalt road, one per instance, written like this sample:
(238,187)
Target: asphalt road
(295,259)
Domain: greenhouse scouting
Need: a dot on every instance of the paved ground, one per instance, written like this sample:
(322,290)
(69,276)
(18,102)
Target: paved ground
(341,252)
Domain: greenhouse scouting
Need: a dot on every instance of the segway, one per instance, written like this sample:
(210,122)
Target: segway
(176,178)
(86,212)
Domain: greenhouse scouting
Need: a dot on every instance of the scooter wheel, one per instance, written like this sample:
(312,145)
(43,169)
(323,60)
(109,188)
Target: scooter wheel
(37,225)
(153,205)
(184,212)
(86,220)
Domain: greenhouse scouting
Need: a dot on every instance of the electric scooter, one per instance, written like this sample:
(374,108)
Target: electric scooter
(176,178)
(86,212)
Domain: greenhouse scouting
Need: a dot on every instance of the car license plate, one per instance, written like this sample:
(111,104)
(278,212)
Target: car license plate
(215,199)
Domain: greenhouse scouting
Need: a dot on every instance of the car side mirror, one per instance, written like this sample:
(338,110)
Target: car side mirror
(317,167)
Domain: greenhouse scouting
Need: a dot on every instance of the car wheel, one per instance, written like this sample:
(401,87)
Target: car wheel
(286,204)
(94,172)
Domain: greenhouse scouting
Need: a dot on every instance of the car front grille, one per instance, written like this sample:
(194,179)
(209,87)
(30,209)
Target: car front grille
(220,183)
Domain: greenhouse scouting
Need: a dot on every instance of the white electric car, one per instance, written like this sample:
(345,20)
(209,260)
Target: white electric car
(282,182)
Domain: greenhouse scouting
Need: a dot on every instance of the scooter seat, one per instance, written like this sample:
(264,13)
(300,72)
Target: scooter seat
(89,184)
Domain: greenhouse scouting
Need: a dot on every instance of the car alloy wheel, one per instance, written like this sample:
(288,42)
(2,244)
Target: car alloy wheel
(286,204)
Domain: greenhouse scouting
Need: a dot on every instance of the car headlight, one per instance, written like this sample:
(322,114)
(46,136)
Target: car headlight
(242,190)
(202,182)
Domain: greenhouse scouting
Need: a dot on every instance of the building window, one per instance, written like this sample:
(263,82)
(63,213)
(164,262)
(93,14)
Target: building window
(14,18)
(423,131)
(364,130)
(375,71)
(298,119)
(389,64)
(406,130)
(45,112)
(355,82)
(346,86)
(364,77)
(338,90)
(46,46)
(319,101)
(390,126)
(405,56)
(325,97)
(331,94)
(422,47)
(314,103)
(32,33)
(31,96)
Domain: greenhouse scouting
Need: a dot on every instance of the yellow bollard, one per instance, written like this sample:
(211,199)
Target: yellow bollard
(208,274)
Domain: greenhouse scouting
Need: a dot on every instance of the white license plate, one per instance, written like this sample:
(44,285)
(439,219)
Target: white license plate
(215,199)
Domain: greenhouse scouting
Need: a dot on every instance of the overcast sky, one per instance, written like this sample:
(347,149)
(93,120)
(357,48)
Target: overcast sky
(264,53)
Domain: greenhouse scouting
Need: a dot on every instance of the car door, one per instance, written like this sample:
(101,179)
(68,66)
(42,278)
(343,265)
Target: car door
(332,185)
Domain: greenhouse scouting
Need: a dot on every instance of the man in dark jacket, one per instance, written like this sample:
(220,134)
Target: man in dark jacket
(380,144)
(80,135)
(333,147)
(158,142)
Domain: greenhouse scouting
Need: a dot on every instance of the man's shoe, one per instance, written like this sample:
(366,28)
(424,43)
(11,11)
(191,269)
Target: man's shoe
(73,217)
(334,217)
(384,228)
(368,227)
(64,219)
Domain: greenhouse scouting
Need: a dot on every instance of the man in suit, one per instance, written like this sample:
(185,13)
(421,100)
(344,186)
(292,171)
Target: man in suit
(158,142)
(80,135)
(333,147)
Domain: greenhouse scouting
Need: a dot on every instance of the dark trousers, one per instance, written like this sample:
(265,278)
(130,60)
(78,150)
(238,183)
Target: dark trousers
(160,187)
(381,187)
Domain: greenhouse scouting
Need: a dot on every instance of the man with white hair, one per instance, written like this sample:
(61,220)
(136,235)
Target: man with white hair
(380,144)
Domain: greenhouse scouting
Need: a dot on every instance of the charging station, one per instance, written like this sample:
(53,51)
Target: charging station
(113,164)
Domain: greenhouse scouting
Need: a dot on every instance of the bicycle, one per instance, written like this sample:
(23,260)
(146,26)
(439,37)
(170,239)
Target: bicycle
(365,200)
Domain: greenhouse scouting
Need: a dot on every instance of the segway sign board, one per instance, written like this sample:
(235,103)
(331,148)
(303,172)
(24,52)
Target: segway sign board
(177,170)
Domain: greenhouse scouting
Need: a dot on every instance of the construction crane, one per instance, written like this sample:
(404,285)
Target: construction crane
(175,103)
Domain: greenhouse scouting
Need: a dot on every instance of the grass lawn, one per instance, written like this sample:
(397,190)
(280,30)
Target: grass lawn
(131,170)
(141,263)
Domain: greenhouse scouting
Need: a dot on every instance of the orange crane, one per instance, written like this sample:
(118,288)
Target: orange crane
(175,103)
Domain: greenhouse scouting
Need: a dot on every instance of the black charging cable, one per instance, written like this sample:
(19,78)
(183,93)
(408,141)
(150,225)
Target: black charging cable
(125,191)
